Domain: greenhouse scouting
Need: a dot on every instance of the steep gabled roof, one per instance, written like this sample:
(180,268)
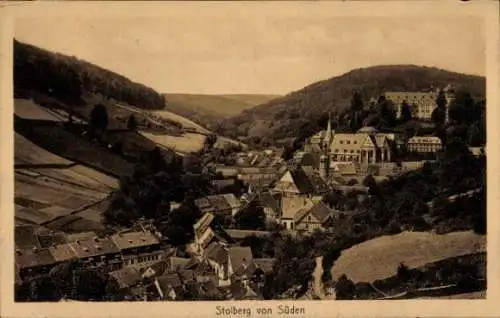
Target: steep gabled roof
(292,206)
(203,223)
(240,256)
(348,142)
(319,210)
(217,253)
(268,200)
(244,290)
(126,277)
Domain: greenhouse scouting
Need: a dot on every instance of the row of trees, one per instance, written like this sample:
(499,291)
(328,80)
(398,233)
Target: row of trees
(154,185)
(70,280)
(68,78)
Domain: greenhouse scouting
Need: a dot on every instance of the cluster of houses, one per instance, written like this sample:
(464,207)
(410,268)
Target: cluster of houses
(144,268)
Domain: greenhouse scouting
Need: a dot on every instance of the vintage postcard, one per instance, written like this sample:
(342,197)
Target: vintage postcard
(250,159)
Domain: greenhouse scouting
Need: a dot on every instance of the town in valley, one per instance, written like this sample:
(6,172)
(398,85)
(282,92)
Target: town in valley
(369,185)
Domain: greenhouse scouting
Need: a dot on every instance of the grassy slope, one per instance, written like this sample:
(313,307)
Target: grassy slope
(380,257)
(281,117)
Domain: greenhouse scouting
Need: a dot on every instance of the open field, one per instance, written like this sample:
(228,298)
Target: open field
(186,123)
(186,143)
(379,258)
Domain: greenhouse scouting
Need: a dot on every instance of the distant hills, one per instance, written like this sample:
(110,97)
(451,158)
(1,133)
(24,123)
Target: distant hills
(283,117)
(208,110)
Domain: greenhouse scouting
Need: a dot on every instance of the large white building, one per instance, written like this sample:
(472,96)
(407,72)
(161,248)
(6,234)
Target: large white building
(421,103)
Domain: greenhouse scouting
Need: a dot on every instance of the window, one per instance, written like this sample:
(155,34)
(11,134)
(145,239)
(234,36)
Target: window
(341,142)
(348,142)
(355,142)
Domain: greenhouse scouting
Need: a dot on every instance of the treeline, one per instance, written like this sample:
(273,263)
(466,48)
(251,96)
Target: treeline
(154,185)
(68,78)
(70,280)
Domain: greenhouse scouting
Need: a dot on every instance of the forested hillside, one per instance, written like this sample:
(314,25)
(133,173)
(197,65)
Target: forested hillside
(286,117)
(40,71)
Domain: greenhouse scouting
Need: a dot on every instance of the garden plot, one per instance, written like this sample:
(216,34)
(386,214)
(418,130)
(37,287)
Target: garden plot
(30,216)
(379,258)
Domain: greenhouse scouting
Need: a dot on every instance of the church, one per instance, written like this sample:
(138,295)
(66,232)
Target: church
(366,146)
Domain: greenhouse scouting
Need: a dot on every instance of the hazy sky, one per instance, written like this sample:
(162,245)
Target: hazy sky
(228,51)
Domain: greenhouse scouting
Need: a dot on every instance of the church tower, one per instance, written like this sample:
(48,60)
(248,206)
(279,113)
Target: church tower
(328,138)
(324,166)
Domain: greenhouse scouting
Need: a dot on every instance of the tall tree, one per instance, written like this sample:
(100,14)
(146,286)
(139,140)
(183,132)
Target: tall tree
(356,102)
(439,113)
(406,112)
(131,123)
(387,112)
(99,119)
(463,109)
(252,218)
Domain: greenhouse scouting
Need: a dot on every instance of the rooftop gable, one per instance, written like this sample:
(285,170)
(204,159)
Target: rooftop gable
(292,206)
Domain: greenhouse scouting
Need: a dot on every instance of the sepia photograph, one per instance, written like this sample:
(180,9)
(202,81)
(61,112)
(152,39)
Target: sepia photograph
(281,152)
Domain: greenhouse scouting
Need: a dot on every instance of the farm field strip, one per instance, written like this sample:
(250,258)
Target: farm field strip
(189,142)
(28,109)
(167,115)
(26,151)
(380,257)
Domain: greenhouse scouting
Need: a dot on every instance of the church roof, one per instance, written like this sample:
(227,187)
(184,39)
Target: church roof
(368,129)
(348,141)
